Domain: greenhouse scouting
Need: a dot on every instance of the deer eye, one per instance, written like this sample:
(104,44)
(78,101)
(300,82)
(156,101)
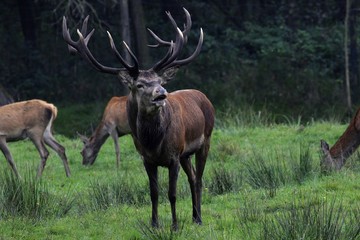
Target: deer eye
(139,85)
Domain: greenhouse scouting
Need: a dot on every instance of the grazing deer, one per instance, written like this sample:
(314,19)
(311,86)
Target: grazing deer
(335,157)
(114,123)
(31,119)
(167,128)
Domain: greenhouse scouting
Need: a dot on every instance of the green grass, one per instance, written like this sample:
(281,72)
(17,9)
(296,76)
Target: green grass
(261,181)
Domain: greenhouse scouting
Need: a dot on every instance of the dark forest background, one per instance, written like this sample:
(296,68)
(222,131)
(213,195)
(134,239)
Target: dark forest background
(285,55)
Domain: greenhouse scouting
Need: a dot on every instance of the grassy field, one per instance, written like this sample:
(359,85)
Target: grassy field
(261,182)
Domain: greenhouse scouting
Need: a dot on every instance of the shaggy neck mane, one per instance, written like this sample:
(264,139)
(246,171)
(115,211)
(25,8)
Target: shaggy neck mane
(152,128)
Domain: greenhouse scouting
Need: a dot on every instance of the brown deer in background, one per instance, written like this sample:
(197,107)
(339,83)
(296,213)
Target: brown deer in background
(114,123)
(31,119)
(167,128)
(335,157)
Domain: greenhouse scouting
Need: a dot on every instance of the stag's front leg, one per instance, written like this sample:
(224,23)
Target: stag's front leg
(115,137)
(152,173)
(200,161)
(173,176)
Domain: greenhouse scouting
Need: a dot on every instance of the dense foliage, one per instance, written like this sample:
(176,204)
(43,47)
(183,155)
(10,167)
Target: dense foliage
(285,55)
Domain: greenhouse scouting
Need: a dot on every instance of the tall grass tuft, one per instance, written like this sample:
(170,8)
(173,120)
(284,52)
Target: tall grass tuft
(222,181)
(30,197)
(267,174)
(324,220)
(303,167)
(163,233)
(116,192)
(249,213)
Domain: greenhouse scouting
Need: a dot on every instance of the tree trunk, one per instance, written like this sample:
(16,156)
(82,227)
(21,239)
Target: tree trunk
(346,51)
(353,55)
(137,16)
(125,27)
(27,23)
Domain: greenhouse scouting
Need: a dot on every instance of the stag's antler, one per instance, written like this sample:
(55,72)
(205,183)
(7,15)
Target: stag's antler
(81,47)
(170,59)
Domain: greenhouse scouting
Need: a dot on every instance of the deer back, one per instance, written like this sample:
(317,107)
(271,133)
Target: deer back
(17,117)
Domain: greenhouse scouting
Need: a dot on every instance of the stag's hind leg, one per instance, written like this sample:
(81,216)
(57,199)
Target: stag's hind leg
(59,149)
(5,150)
(190,173)
(200,161)
(173,176)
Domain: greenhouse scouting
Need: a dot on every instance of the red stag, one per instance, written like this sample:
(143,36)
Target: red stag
(167,128)
(335,157)
(114,123)
(31,119)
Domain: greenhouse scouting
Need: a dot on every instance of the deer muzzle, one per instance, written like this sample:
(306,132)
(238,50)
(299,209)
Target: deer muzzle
(159,96)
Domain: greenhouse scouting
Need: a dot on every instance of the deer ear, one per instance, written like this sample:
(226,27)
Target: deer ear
(126,78)
(169,74)
(83,138)
(324,146)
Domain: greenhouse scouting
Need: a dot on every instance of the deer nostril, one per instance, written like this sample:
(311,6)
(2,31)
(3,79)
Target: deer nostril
(161,91)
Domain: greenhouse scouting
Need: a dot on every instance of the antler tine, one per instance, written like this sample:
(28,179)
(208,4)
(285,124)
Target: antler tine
(159,40)
(132,69)
(84,50)
(188,25)
(173,54)
(185,32)
(66,36)
(136,62)
(84,25)
(71,49)
(157,67)
(178,45)
(80,47)
(170,60)
(185,61)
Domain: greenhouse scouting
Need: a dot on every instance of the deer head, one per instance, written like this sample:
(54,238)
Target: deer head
(327,162)
(87,152)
